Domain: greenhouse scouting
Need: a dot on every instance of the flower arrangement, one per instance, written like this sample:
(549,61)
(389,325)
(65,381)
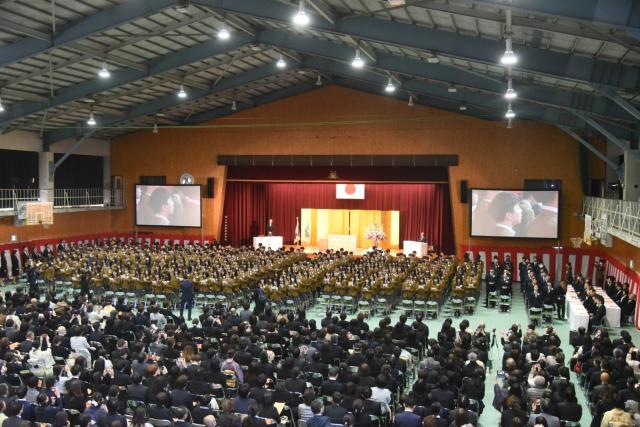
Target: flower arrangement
(376,233)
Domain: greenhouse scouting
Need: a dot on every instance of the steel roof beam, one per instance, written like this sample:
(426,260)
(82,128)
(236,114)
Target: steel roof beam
(623,145)
(462,96)
(613,13)
(621,102)
(260,100)
(571,132)
(555,97)
(121,77)
(171,100)
(85,27)
(532,60)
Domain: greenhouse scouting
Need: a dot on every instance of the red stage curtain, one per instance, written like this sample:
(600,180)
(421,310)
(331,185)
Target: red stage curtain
(244,211)
(423,207)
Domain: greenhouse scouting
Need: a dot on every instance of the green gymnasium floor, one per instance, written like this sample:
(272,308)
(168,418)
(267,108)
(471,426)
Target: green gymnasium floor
(492,319)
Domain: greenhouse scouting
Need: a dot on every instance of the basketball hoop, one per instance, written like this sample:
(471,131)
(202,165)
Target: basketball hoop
(576,242)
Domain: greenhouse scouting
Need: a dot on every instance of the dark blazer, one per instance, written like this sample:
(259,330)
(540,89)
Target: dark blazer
(181,397)
(569,411)
(407,419)
(137,392)
(186,289)
(599,314)
(12,422)
(335,412)
(331,386)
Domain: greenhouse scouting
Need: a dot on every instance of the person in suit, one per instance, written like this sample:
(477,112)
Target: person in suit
(331,384)
(506,213)
(423,238)
(492,285)
(545,223)
(180,396)
(407,418)
(318,419)
(334,411)
(137,390)
(187,296)
(599,313)
(270,228)
(180,417)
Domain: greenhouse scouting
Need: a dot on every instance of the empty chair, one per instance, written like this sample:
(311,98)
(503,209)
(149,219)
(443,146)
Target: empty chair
(505,303)
(535,315)
(364,307)
(456,306)
(547,313)
(432,309)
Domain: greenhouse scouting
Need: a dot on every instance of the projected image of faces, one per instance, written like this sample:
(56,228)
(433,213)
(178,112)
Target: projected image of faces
(177,206)
(497,213)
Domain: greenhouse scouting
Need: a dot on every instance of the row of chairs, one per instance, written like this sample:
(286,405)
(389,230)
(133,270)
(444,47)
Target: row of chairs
(545,314)
(430,309)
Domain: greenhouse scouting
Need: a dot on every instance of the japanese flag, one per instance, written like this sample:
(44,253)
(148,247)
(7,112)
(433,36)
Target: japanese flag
(349,191)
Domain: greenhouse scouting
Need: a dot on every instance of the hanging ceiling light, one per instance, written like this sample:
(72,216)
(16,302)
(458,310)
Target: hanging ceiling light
(103,72)
(301,18)
(463,107)
(182,94)
(91,121)
(510,93)
(281,62)
(509,124)
(509,57)
(1,106)
(234,107)
(319,80)
(223,33)
(510,114)
(410,103)
(452,89)
(390,88)
(357,61)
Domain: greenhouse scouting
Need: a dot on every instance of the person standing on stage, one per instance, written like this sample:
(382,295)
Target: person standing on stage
(186,299)
(270,228)
(423,238)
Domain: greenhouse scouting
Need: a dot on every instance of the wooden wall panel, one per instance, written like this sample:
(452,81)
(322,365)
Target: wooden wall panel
(316,122)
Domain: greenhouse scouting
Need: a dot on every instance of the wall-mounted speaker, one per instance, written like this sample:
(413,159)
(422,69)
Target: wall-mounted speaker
(210,187)
(464,191)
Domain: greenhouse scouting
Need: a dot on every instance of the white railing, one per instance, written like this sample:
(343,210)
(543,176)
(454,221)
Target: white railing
(64,198)
(622,218)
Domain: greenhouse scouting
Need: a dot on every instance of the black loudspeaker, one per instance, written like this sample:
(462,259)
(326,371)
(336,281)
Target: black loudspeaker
(464,191)
(210,186)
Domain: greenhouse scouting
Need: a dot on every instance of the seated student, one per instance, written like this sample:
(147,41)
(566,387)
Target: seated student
(243,400)
(407,418)
(318,420)
(334,411)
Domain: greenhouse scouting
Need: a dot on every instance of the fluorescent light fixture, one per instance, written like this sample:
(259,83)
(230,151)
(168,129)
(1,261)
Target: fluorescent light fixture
(182,94)
(510,93)
(509,57)
(223,33)
(390,88)
(357,61)
(92,120)
(301,19)
(510,114)
(104,73)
